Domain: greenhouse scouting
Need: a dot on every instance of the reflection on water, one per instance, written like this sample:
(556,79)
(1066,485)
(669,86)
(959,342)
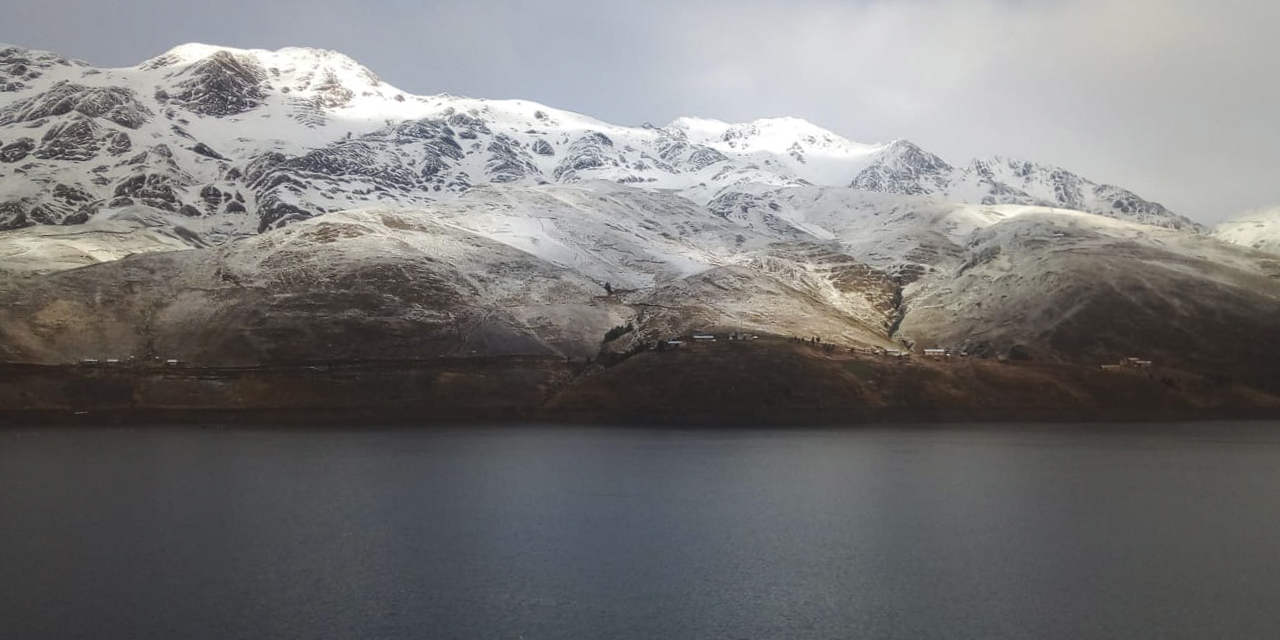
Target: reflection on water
(541,532)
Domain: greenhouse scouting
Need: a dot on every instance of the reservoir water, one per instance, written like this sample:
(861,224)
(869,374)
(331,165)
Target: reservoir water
(1163,531)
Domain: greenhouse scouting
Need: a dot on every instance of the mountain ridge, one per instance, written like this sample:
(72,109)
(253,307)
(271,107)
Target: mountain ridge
(298,132)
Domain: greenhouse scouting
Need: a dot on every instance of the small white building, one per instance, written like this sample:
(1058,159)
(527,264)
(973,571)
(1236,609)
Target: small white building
(703,337)
(936,353)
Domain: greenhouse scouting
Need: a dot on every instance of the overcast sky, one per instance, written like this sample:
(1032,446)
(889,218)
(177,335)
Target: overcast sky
(1178,100)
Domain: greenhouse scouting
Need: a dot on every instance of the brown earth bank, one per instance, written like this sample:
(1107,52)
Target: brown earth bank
(772,381)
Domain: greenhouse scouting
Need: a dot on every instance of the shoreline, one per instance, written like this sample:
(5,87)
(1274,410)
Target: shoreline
(302,418)
(776,384)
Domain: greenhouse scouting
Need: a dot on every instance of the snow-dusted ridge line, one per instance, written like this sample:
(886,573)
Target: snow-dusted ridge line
(1257,230)
(227,142)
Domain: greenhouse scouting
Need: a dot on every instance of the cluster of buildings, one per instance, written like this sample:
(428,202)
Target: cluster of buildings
(115,362)
(1128,363)
(710,337)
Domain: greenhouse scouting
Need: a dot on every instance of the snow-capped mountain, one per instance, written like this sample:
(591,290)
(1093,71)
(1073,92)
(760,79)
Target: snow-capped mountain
(229,142)
(243,207)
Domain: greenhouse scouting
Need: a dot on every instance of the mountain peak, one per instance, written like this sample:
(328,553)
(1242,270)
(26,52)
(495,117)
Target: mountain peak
(188,53)
(788,126)
(287,59)
(787,136)
(905,153)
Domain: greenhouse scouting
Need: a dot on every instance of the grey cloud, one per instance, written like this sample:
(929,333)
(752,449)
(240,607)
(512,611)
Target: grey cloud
(1172,98)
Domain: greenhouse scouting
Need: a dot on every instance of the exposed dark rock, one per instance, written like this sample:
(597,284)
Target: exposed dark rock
(156,203)
(204,150)
(905,169)
(543,148)
(354,158)
(190,236)
(469,124)
(80,217)
(1001,193)
(587,152)
(41,214)
(153,190)
(277,214)
(76,141)
(211,194)
(118,143)
(161,61)
(426,129)
(704,157)
(796,152)
(507,162)
(331,94)
(17,150)
(222,84)
(71,195)
(13,215)
(116,104)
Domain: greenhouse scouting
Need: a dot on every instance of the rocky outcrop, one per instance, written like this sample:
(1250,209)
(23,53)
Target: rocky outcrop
(76,141)
(17,150)
(905,169)
(224,84)
(591,151)
(115,104)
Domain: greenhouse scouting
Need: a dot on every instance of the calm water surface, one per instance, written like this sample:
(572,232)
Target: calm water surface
(541,532)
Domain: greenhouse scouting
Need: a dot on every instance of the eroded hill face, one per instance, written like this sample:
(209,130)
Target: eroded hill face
(390,284)
(1045,285)
(548,271)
